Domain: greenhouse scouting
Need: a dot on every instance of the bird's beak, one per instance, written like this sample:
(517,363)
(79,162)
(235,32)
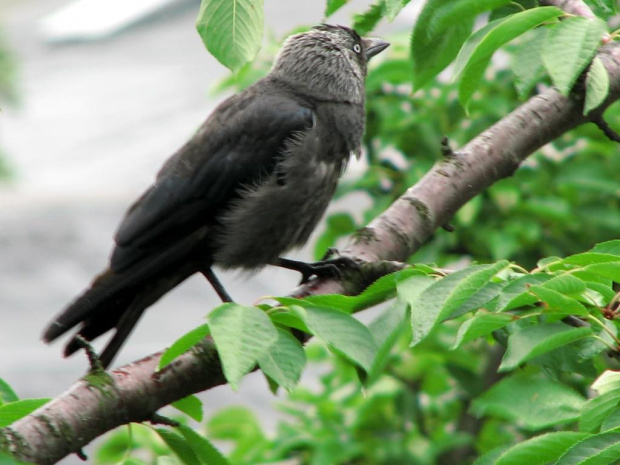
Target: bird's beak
(374,47)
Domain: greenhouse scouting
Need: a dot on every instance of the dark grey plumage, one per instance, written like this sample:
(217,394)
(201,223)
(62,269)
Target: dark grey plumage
(250,185)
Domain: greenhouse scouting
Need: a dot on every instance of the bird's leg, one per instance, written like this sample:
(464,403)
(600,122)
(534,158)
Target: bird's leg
(217,285)
(325,268)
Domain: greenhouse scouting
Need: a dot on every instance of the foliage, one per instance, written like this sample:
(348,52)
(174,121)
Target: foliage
(511,358)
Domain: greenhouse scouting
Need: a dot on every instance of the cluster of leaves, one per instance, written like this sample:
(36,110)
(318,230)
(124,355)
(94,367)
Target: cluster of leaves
(385,403)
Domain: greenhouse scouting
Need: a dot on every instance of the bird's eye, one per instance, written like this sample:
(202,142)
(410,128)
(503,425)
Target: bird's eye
(357,48)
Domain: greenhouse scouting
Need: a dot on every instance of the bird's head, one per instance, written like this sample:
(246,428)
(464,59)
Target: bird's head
(328,62)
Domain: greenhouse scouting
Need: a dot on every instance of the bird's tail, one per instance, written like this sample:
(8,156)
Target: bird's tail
(118,299)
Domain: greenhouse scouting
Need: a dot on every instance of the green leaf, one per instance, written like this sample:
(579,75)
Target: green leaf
(608,381)
(183,344)
(597,86)
(232,30)
(527,63)
(609,247)
(366,22)
(610,270)
(284,361)
(481,325)
(381,290)
(178,444)
(430,60)
(235,423)
(612,421)
(601,449)
(393,7)
(516,294)
(531,402)
(596,410)
(205,452)
(439,32)
(511,27)
(534,341)
(490,458)
(386,329)
(242,335)
(333,6)
(540,450)
(6,393)
(558,303)
(444,297)
(13,411)
(570,47)
(342,332)
(191,406)
(590,258)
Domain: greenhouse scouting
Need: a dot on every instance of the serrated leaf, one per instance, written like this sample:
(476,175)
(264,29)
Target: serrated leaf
(178,444)
(608,381)
(13,411)
(534,341)
(596,410)
(439,32)
(381,290)
(442,298)
(284,361)
(366,22)
(530,402)
(386,329)
(232,30)
(527,63)
(590,258)
(511,27)
(557,303)
(608,247)
(6,393)
(601,449)
(542,449)
(191,406)
(569,48)
(205,452)
(597,86)
(342,332)
(183,344)
(610,270)
(242,335)
(481,325)
(516,293)
(393,7)
(612,421)
(333,5)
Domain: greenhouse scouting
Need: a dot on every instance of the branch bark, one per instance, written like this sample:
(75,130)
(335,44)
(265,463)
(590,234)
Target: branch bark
(133,393)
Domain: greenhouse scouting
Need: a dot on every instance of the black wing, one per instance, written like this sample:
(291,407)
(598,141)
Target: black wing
(238,144)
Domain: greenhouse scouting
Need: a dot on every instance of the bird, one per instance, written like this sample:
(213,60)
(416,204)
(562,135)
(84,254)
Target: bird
(251,184)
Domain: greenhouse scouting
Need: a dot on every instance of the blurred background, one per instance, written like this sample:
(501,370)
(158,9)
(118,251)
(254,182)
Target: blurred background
(94,96)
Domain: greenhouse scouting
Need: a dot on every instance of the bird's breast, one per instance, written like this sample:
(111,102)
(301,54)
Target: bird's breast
(276,215)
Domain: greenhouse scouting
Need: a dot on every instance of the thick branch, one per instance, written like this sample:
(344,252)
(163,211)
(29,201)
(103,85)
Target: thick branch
(134,392)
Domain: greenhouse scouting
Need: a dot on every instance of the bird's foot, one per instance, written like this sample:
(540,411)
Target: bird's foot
(330,268)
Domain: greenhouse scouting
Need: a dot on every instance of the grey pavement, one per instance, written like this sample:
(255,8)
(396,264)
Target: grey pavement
(96,121)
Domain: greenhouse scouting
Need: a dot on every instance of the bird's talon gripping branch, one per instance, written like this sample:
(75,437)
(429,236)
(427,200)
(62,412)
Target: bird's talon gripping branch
(330,268)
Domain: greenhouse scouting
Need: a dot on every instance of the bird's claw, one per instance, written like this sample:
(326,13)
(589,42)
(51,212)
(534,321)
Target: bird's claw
(327,268)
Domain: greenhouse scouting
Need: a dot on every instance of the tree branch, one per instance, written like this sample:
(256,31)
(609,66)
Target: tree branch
(133,393)
(573,7)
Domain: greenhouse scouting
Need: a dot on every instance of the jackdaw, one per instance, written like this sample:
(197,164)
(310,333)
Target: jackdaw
(251,184)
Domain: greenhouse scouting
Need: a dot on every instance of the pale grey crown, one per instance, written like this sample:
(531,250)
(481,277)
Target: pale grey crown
(327,62)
